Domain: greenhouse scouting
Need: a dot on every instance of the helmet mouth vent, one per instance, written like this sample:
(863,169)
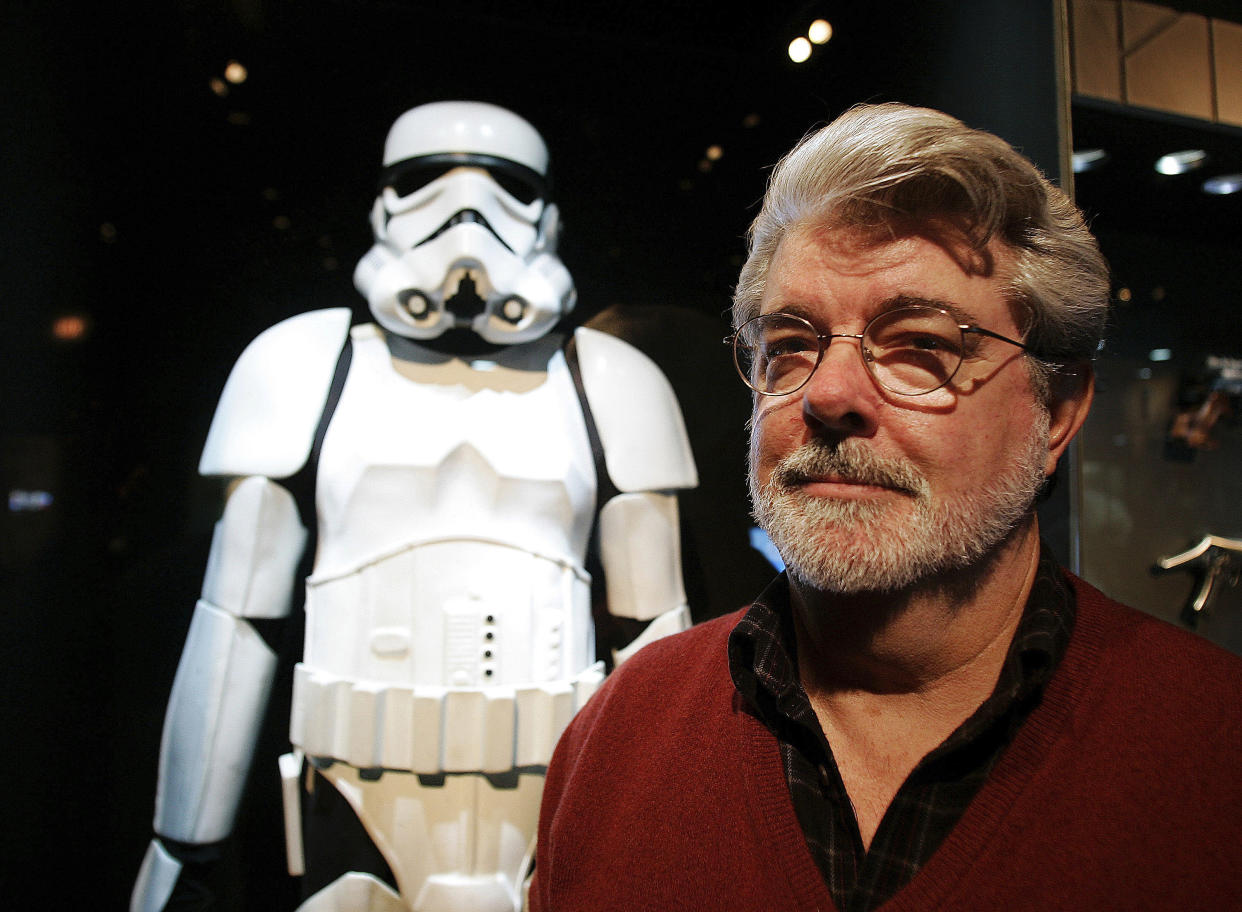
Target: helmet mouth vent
(466,302)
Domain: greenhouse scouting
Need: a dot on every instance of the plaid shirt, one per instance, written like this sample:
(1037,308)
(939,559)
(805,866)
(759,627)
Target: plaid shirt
(763,664)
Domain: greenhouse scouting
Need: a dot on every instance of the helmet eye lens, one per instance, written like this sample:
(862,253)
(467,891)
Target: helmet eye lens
(521,190)
(520,182)
(413,178)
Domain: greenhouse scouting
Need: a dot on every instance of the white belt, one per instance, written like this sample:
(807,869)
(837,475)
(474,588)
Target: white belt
(429,730)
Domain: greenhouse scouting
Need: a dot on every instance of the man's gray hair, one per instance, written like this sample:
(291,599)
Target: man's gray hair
(886,166)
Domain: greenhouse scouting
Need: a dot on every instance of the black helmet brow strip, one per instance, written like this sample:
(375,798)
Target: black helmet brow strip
(446,160)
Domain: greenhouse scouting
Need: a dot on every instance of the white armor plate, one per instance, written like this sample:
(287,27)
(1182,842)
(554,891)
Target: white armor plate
(448,617)
(449,591)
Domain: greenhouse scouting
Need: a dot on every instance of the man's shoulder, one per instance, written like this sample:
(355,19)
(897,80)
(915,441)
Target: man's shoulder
(669,686)
(706,641)
(1145,634)
(667,671)
(1163,671)
(1153,730)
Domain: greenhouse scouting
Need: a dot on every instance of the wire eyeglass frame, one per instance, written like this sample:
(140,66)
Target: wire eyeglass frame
(744,353)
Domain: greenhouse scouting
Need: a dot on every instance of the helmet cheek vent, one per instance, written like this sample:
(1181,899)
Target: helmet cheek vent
(512,310)
(415,308)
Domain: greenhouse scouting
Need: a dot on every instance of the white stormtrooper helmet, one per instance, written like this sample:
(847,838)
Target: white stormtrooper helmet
(464,236)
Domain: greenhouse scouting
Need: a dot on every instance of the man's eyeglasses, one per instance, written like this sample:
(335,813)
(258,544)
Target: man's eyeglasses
(910,350)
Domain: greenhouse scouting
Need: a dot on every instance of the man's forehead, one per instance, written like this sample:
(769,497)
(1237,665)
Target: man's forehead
(929,263)
(895,237)
(854,249)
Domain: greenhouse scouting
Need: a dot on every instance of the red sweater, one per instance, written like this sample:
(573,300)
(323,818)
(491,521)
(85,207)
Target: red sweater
(1123,790)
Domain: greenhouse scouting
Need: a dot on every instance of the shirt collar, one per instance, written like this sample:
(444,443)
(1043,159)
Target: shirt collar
(763,655)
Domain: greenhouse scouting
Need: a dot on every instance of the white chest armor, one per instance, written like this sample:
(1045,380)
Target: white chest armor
(449,591)
(448,617)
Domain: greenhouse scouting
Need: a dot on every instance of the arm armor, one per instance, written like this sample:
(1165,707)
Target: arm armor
(223,679)
(264,425)
(222,682)
(648,457)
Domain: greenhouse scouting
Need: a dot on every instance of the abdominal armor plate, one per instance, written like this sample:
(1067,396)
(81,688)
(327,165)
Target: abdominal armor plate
(448,615)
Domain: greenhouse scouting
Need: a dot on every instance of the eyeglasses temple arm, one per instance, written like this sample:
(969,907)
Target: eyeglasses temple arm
(979,330)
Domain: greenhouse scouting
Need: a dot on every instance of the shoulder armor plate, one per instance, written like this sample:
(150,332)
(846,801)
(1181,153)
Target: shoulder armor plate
(636,411)
(266,418)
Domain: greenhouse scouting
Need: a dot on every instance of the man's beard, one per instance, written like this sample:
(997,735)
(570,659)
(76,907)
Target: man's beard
(856,546)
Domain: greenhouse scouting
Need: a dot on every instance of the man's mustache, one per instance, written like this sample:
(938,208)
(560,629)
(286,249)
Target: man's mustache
(850,461)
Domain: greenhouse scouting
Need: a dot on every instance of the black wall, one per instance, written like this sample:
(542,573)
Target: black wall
(139,199)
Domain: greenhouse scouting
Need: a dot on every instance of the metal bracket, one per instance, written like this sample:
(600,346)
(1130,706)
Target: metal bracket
(1213,559)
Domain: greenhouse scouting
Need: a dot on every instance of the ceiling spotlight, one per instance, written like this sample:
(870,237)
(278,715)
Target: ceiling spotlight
(819,31)
(799,50)
(235,73)
(1088,159)
(1223,185)
(1181,162)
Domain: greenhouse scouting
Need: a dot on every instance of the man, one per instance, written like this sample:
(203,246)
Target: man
(924,712)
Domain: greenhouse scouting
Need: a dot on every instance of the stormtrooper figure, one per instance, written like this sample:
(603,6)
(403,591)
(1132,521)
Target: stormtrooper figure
(460,458)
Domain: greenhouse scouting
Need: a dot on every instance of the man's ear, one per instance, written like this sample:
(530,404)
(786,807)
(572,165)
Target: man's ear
(1071,393)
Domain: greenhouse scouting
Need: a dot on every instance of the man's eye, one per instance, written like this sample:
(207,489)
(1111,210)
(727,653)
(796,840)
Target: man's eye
(791,345)
(927,342)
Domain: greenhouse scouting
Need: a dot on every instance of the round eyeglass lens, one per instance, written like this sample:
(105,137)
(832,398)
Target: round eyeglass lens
(913,350)
(776,353)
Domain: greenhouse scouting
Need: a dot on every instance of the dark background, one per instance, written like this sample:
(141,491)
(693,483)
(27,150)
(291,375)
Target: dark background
(178,223)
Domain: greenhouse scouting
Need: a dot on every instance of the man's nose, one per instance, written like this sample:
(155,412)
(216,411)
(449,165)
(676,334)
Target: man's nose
(841,396)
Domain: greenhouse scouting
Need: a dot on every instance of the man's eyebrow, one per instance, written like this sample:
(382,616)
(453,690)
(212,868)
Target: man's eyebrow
(960,314)
(798,310)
